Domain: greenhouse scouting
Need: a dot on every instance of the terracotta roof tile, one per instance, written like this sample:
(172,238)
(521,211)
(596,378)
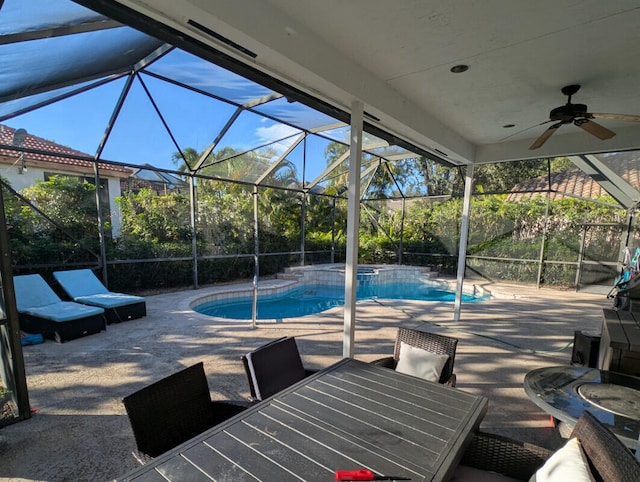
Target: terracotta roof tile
(575,183)
(40,144)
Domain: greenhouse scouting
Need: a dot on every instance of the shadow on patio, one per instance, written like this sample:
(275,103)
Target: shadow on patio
(80,430)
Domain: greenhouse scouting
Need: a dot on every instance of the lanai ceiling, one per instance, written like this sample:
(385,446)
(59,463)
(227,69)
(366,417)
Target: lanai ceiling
(396,57)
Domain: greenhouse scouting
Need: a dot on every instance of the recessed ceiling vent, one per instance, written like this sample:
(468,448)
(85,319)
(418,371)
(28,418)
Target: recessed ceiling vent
(222,39)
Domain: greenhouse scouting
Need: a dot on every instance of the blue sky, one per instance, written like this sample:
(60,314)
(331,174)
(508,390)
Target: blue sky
(140,137)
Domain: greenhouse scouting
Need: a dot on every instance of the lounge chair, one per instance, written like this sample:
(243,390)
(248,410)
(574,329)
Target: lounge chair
(40,310)
(84,287)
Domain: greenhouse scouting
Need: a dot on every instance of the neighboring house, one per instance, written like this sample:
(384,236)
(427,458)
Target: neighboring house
(575,183)
(570,183)
(46,158)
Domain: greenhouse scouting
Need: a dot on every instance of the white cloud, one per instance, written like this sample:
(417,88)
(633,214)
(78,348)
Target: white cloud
(275,132)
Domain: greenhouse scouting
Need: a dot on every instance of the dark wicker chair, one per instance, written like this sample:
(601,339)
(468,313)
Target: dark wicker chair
(273,367)
(173,410)
(434,343)
(609,459)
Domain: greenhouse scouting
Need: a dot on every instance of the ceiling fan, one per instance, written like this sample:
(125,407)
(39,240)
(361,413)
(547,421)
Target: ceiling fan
(578,115)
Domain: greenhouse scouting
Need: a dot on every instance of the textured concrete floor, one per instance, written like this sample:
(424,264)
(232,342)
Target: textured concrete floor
(79,430)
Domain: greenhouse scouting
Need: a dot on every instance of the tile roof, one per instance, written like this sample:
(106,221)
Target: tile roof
(575,183)
(61,155)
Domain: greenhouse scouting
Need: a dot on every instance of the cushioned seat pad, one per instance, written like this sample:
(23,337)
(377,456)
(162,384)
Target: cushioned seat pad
(63,311)
(109,300)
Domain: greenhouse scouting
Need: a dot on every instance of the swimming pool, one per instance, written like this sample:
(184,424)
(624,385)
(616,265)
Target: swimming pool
(310,299)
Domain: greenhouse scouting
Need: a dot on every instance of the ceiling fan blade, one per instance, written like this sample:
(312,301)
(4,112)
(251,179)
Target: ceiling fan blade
(521,131)
(621,117)
(545,135)
(595,129)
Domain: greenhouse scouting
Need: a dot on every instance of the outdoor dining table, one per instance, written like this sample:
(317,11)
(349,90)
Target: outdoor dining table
(351,415)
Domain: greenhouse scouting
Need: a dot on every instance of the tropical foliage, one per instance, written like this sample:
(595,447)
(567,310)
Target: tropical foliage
(54,223)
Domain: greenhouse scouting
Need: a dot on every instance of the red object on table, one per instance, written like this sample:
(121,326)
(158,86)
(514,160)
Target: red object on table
(363,474)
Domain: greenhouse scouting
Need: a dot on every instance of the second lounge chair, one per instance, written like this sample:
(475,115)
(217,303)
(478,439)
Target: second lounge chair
(84,287)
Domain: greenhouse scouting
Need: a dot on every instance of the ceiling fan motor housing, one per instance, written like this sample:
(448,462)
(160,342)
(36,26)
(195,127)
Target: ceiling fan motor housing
(568,112)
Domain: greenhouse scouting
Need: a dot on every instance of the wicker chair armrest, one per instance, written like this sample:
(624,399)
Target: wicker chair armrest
(387,362)
(504,455)
(232,405)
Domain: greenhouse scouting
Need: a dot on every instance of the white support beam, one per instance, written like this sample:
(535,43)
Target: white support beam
(464,236)
(353,223)
(611,182)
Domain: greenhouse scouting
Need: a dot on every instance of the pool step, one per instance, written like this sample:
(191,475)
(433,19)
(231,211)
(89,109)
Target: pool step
(290,276)
(301,273)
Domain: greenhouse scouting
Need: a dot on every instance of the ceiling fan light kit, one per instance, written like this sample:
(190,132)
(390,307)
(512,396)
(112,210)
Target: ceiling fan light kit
(579,115)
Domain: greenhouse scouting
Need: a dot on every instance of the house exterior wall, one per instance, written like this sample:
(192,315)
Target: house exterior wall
(34,174)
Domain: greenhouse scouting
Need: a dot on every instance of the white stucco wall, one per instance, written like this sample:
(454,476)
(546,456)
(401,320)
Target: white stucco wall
(116,215)
(33,174)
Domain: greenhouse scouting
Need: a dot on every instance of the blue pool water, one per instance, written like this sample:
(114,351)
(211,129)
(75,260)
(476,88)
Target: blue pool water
(310,299)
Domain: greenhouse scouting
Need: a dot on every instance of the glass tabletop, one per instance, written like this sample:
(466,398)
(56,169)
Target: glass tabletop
(567,391)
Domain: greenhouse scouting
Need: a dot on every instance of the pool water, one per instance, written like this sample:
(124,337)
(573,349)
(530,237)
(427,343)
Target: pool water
(311,299)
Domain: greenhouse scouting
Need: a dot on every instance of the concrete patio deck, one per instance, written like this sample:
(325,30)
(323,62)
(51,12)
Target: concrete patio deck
(80,431)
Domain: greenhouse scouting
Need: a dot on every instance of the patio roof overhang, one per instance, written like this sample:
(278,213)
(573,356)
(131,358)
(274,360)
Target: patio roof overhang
(93,49)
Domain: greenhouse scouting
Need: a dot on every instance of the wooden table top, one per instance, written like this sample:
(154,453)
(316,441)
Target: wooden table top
(348,416)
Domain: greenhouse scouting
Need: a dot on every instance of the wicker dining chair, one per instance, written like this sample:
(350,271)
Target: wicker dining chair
(432,342)
(272,367)
(173,410)
(609,459)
